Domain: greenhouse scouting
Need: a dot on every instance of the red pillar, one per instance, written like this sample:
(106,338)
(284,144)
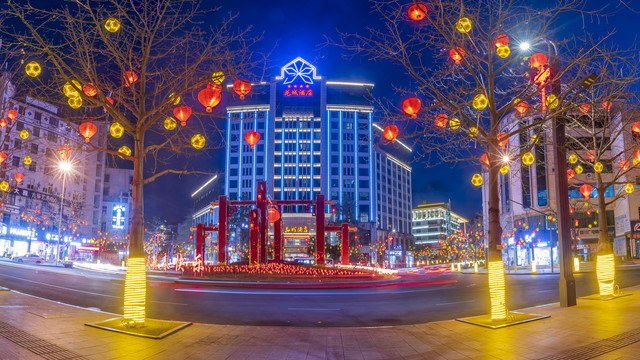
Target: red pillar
(277,240)
(200,241)
(261,204)
(319,229)
(345,244)
(254,228)
(223,229)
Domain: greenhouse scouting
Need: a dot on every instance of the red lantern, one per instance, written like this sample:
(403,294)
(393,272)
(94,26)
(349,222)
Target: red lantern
(624,165)
(273,215)
(570,174)
(636,127)
(585,190)
(110,100)
(502,40)
(522,107)
(484,159)
(456,54)
(89,90)
(607,105)
(441,121)
(3,123)
(538,60)
(3,157)
(503,139)
(584,109)
(209,98)
(87,130)
(12,114)
(588,212)
(411,106)
(19,177)
(242,88)
(252,138)
(182,113)
(570,210)
(417,12)
(214,86)
(591,155)
(64,152)
(636,155)
(391,132)
(130,78)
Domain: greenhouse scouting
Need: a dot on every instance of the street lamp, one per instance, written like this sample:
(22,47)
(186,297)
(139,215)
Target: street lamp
(65,167)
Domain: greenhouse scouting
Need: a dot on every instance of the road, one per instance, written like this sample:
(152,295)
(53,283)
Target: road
(373,306)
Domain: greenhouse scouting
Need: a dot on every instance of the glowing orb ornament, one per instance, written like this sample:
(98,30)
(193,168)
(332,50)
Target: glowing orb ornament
(116,130)
(571,174)
(112,25)
(503,51)
(579,169)
(504,170)
(528,158)
(217,77)
(411,106)
(170,123)
(198,141)
(538,60)
(473,132)
(441,121)
(454,123)
(125,150)
(24,134)
(75,102)
(476,179)
(502,40)
(175,100)
(456,54)
(598,167)
(27,160)
(417,12)
(480,102)
(629,188)
(33,69)
(70,91)
(464,25)
(391,132)
(573,158)
(4,186)
(552,101)
(90,90)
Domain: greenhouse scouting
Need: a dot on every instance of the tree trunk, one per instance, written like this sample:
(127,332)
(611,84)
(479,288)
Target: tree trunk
(135,285)
(497,289)
(605,265)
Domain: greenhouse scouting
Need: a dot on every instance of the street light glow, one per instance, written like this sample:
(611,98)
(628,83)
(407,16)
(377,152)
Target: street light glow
(525,46)
(505,159)
(65,166)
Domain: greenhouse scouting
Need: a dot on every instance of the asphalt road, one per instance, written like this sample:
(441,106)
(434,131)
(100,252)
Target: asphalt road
(374,306)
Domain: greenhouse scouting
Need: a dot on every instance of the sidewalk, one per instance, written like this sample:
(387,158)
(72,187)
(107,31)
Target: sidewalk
(584,268)
(31,326)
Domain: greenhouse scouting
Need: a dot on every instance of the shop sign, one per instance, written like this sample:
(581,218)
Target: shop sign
(622,224)
(296,229)
(620,246)
(635,227)
(19,232)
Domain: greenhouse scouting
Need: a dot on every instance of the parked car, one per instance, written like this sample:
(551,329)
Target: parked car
(29,259)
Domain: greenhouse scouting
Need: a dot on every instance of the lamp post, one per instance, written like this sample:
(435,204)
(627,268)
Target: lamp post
(65,167)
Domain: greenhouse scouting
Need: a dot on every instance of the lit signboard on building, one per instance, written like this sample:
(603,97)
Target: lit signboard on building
(118,217)
(298,91)
(298,76)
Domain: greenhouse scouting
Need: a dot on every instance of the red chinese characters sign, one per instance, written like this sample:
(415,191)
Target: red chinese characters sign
(298,90)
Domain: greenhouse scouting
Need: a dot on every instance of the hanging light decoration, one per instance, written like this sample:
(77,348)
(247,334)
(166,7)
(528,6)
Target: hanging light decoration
(116,130)
(473,131)
(502,40)
(629,188)
(552,101)
(124,150)
(636,128)
(27,160)
(503,51)
(504,170)
(4,186)
(579,169)
(198,141)
(476,179)
(129,78)
(503,139)
(252,138)
(3,123)
(606,105)
(538,60)
(391,132)
(480,102)
(585,190)
(170,123)
(584,109)
(484,159)
(573,158)
(90,90)
(75,102)
(182,113)
(457,54)
(217,77)
(242,88)
(3,157)
(624,165)
(464,25)
(591,155)
(454,123)
(18,177)
(441,121)
(70,91)
(417,12)
(209,98)
(528,158)
(112,25)
(273,215)
(12,114)
(598,167)
(64,152)
(110,100)
(571,174)
(522,107)
(87,130)
(24,134)
(33,69)
(411,106)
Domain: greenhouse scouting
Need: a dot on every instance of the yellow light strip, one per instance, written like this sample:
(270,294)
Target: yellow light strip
(497,290)
(605,270)
(475,267)
(576,264)
(135,289)
(534,267)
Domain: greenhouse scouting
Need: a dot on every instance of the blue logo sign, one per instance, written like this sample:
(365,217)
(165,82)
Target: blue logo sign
(298,71)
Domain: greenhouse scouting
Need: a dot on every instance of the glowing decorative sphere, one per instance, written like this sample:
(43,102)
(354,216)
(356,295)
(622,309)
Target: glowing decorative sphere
(170,123)
(552,101)
(464,25)
(476,179)
(456,54)
(417,12)
(473,131)
(411,106)
(116,130)
(125,150)
(75,102)
(502,40)
(4,186)
(597,167)
(198,141)
(585,190)
(27,160)
(579,169)
(538,60)
(571,174)
(480,102)
(624,165)
(454,123)
(629,188)
(528,158)
(70,91)
(441,121)
(112,25)
(24,134)
(175,100)
(503,51)
(391,132)
(33,69)
(217,77)
(573,158)
(90,90)
(504,170)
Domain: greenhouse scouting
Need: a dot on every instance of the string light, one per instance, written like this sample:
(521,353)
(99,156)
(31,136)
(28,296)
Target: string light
(605,271)
(497,290)
(135,288)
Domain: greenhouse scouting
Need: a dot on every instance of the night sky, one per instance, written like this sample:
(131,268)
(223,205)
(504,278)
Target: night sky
(299,28)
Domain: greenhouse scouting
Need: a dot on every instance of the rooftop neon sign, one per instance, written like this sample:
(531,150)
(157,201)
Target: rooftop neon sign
(298,70)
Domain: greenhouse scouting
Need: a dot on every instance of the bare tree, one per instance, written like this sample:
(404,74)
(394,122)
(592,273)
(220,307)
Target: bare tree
(479,89)
(133,63)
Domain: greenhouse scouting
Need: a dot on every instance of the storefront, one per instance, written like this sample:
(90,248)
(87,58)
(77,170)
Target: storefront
(17,241)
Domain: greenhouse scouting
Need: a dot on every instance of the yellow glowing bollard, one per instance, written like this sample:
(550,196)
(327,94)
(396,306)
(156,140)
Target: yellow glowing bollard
(576,264)
(475,267)
(534,266)
(135,288)
(66,258)
(453,267)
(605,271)
(459,267)
(497,291)
(98,261)
(122,264)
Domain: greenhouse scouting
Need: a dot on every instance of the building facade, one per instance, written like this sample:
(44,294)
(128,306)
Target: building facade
(434,222)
